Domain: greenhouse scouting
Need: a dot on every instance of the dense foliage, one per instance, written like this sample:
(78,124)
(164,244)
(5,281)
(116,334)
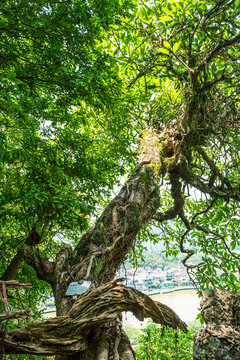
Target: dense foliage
(166,344)
(62,145)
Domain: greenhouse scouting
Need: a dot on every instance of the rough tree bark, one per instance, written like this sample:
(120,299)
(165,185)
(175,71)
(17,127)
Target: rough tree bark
(88,321)
(220,339)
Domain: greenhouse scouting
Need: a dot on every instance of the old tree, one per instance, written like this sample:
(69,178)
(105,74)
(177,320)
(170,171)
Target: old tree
(84,85)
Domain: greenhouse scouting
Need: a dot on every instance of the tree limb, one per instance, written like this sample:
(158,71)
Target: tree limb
(44,268)
(32,240)
(18,314)
(214,191)
(211,164)
(221,45)
(69,334)
(178,200)
(203,211)
(14,284)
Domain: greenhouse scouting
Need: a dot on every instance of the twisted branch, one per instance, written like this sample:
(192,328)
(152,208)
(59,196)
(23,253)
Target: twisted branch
(69,334)
(177,198)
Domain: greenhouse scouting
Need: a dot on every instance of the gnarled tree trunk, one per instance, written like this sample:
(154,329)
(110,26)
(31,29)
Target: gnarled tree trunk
(94,331)
(220,339)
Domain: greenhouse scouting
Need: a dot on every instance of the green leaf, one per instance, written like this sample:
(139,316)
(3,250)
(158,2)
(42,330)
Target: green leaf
(164,51)
(177,4)
(176,46)
(237,4)
(165,18)
(166,44)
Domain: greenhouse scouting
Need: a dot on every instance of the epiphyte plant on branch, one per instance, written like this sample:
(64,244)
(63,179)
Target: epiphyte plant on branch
(179,65)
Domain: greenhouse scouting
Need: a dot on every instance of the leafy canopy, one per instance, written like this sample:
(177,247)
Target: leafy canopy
(62,145)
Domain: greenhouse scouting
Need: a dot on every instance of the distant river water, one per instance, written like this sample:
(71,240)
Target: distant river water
(184,302)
